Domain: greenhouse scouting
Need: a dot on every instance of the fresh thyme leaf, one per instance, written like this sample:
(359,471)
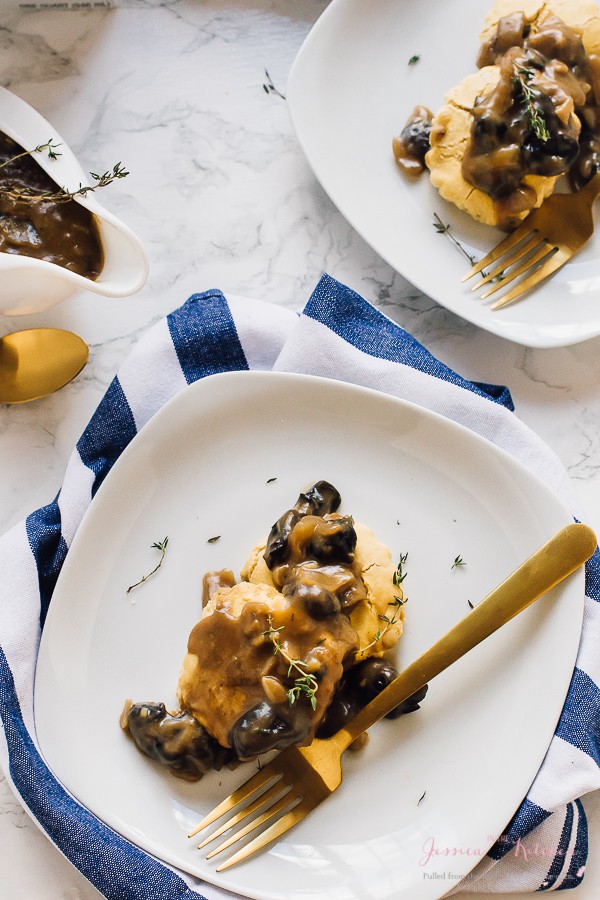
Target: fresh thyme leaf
(213,540)
(414,59)
(422,797)
(458,561)
(470,604)
(158,545)
(398,602)
(399,575)
(271,480)
(522,79)
(270,631)
(269,87)
(305,682)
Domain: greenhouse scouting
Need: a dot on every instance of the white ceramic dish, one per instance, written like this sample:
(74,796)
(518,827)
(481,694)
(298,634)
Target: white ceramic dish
(350,91)
(201,468)
(31,285)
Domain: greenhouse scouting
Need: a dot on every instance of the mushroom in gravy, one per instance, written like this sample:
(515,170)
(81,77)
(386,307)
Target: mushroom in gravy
(290,652)
(530,115)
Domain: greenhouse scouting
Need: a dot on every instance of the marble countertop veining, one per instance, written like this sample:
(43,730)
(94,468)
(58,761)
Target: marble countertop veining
(222,196)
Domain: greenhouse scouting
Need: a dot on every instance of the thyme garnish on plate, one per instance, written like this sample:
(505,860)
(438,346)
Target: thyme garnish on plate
(445,229)
(414,59)
(158,545)
(458,561)
(305,682)
(522,80)
(213,540)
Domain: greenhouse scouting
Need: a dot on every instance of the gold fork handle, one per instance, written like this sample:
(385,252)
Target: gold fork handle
(559,557)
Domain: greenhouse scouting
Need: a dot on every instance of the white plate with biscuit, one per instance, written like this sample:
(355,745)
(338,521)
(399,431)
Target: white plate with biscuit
(225,458)
(350,91)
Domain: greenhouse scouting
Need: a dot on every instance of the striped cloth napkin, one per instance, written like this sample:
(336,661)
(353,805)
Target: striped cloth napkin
(337,335)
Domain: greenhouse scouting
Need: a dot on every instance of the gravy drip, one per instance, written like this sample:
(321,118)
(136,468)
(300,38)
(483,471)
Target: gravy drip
(64,233)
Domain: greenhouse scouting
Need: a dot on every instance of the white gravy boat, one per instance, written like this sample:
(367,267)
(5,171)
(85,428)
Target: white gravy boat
(30,285)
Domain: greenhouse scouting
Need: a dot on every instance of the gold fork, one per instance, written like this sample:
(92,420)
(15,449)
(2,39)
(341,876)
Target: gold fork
(544,242)
(299,778)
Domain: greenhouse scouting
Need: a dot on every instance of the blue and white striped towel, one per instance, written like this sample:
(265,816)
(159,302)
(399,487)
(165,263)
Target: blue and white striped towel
(338,335)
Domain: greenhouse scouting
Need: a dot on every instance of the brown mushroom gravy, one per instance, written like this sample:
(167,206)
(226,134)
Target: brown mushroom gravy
(541,118)
(413,142)
(60,232)
(271,666)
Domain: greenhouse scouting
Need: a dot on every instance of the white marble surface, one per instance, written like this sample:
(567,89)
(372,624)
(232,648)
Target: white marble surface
(222,197)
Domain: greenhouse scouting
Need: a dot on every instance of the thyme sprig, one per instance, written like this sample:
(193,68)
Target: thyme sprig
(522,79)
(62,194)
(458,561)
(397,603)
(158,545)
(399,575)
(445,229)
(305,682)
(414,59)
(50,146)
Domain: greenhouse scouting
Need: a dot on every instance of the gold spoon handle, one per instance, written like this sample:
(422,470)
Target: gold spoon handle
(559,557)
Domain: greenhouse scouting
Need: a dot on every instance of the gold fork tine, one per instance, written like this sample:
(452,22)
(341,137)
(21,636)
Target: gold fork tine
(555,262)
(564,222)
(271,834)
(284,803)
(499,250)
(539,256)
(265,798)
(520,253)
(243,792)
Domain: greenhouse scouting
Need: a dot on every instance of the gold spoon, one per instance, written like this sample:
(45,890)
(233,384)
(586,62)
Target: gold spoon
(38,361)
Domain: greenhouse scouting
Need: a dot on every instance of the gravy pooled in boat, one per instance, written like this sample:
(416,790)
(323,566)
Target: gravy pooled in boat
(291,651)
(60,232)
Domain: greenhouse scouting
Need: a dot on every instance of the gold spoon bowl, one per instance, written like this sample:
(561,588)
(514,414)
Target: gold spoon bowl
(37,362)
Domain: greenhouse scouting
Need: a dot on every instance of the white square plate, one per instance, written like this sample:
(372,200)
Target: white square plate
(202,467)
